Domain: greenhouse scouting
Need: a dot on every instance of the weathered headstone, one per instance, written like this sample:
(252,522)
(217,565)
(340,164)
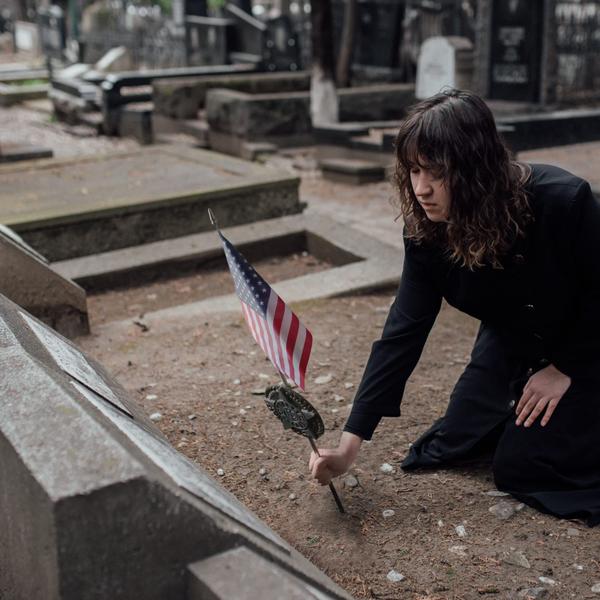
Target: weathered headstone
(27,37)
(516,44)
(444,62)
(27,279)
(95,502)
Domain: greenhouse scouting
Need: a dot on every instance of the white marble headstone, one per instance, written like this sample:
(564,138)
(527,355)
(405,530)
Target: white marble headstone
(443,62)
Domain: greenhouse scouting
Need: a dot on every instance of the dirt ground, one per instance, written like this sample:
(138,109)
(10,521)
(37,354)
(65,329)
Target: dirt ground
(205,378)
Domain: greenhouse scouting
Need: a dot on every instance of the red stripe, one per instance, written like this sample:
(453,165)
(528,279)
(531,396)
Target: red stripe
(291,343)
(305,355)
(277,319)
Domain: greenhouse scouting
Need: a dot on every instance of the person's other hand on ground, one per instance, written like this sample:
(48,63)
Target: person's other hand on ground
(335,461)
(543,391)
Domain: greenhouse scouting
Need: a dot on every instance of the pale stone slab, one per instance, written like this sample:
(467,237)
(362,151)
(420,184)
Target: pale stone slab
(444,62)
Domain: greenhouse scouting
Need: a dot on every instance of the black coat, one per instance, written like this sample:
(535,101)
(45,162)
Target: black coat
(545,301)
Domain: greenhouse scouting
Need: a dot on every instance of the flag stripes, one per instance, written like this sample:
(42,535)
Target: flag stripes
(274,327)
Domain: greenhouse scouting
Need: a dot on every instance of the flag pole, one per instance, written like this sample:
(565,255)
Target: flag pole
(316,451)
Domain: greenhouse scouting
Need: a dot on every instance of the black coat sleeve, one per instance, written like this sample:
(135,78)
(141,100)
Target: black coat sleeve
(578,353)
(396,354)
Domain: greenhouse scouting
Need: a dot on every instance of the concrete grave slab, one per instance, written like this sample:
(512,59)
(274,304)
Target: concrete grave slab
(67,208)
(362,263)
(284,118)
(27,279)
(352,171)
(15,94)
(183,98)
(95,503)
(10,153)
(220,578)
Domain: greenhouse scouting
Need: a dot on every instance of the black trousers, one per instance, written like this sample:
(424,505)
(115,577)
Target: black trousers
(555,468)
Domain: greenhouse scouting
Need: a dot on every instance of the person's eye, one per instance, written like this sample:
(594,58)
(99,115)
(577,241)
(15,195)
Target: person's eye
(415,170)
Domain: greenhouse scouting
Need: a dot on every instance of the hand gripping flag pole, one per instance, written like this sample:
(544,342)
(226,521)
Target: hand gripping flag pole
(284,339)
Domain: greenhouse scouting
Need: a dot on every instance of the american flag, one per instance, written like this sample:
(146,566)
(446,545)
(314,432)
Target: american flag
(276,329)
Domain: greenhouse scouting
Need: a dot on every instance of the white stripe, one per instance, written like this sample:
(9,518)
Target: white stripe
(260,327)
(285,328)
(251,323)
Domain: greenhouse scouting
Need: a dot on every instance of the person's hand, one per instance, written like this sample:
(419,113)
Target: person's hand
(334,461)
(543,391)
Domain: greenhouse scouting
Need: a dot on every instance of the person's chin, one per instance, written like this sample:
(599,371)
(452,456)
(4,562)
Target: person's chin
(435,217)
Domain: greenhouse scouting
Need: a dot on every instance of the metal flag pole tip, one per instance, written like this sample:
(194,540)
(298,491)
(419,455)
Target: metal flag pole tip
(213,219)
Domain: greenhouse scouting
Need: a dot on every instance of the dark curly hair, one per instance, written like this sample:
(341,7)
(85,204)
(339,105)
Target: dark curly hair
(454,135)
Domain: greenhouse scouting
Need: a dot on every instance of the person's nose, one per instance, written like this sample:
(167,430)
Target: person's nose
(423,187)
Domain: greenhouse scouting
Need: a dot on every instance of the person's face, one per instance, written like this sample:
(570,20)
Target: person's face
(432,193)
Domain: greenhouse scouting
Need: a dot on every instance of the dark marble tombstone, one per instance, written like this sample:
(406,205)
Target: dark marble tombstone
(516,50)
(378,31)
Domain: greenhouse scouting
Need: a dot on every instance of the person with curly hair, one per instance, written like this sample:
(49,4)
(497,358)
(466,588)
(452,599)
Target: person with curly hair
(516,246)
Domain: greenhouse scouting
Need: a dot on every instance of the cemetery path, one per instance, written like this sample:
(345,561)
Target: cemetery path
(203,378)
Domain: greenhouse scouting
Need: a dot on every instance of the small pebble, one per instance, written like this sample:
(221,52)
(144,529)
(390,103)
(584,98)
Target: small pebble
(458,550)
(578,567)
(262,471)
(350,481)
(537,592)
(192,417)
(440,523)
(518,559)
(596,588)
(394,576)
(263,376)
(338,398)
(292,496)
(388,513)
(220,472)
(156,417)
(236,382)
(386,468)
(503,510)
(335,410)
(182,444)
(151,397)
(324,378)
(242,411)
(572,532)
(547,581)
(460,531)
(348,385)
(496,493)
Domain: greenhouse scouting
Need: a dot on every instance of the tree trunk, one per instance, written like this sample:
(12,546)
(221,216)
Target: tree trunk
(347,43)
(323,96)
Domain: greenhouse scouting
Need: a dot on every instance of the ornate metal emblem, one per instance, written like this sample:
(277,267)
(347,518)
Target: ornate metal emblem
(294,411)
